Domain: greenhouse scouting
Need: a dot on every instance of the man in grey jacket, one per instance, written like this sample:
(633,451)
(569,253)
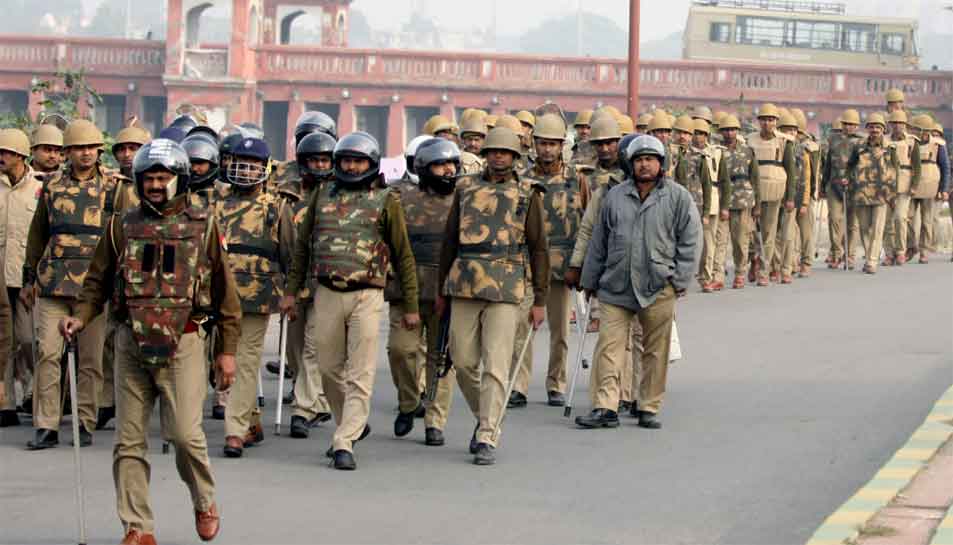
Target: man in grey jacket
(643,254)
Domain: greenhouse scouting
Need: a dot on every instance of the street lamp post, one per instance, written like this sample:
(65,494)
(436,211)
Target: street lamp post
(633,99)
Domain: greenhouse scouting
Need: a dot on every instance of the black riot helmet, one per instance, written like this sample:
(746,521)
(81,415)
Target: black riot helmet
(184,122)
(200,147)
(316,143)
(624,164)
(435,151)
(251,130)
(314,121)
(360,145)
(225,150)
(204,129)
(165,154)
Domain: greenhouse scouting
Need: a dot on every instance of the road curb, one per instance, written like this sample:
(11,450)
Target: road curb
(892,478)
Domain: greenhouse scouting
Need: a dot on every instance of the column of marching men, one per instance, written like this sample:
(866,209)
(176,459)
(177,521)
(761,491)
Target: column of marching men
(166,272)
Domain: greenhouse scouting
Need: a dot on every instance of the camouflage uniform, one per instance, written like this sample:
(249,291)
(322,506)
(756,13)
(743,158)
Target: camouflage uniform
(259,233)
(301,350)
(776,174)
(353,236)
(159,350)
(564,203)
(738,185)
(495,229)
(17,204)
(68,223)
(839,151)
(873,181)
(472,164)
(898,209)
(584,153)
(692,171)
(425,212)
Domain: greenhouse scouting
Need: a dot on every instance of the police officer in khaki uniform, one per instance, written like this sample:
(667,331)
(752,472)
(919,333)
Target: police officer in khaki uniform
(933,187)
(47,149)
(473,134)
(352,231)
(738,186)
(495,231)
(6,339)
(259,233)
(75,206)
(834,183)
(777,176)
(787,258)
(583,152)
(564,203)
(807,219)
(165,268)
(693,173)
(715,230)
(426,206)
(310,404)
(20,187)
(874,169)
(898,208)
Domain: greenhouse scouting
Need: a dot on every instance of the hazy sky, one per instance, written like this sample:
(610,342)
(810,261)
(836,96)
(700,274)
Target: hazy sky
(659,17)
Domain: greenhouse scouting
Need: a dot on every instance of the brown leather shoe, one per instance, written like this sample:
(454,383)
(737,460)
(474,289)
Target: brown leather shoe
(762,281)
(739,282)
(775,277)
(708,288)
(233,446)
(787,279)
(888,261)
(135,537)
(901,259)
(924,259)
(718,286)
(255,435)
(207,523)
(805,271)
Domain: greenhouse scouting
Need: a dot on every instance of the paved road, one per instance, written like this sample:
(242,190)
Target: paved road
(788,400)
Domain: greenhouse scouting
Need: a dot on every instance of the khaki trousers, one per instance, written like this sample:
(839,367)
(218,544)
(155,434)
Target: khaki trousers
(896,226)
(712,265)
(740,226)
(872,220)
(346,329)
(835,220)
(609,358)
(559,304)
(302,353)
(632,369)
(47,398)
(786,257)
(20,367)
(806,234)
(922,216)
(106,396)
(181,388)
(770,214)
(523,329)
(241,409)
(481,331)
(404,353)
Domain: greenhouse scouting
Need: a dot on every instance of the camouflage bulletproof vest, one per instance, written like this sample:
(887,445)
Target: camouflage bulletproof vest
(600,177)
(875,180)
(904,149)
(840,149)
(426,215)
(491,256)
(249,225)
(772,178)
(562,206)
(297,197)
(165,276)
(929,170)
(78,213)
(470,163)
(737,162)
(346,246)
(691,162)
(672,153)
(584,153)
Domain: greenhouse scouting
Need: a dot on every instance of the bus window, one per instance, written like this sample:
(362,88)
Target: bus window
(892,44)
(720,32)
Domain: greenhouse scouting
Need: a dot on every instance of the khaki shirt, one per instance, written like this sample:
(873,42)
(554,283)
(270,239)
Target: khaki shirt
(17,206)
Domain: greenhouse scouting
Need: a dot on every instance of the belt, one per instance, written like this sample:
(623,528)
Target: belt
(927,162)
(770,162)
(426,237)
(906,167)
(76,229)
(483,248)
(246,249)
(739,177)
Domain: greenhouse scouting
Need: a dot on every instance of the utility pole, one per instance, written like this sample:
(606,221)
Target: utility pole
(578,28)
(634,72)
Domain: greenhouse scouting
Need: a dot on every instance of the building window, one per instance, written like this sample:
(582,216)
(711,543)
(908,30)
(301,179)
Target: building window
(817,35)
(858,38)
(762,31)
(720,32)
(892,44)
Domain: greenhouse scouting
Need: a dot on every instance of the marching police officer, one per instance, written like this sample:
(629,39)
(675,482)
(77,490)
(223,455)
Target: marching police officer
(47,149)
(933,187)
(74,207)
(834,182)
(351,232)
(258,229)
(165,268)
(898,208)
(426,206)
(873,169)
(738,193)
(494,232)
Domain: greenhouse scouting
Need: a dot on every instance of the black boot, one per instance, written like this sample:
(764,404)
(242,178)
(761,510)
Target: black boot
(299,427)
(433,437)
(104,416)
(473,440)
(420,411)
(403,424)
(274,367)
(484,455)
(43,438)
(516,401)
(599,418)
(218,412)
(85,438)
(624,406)
(27,406)
(634,409)
(9,418)
(344,460)
(556,399)
(649,420)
